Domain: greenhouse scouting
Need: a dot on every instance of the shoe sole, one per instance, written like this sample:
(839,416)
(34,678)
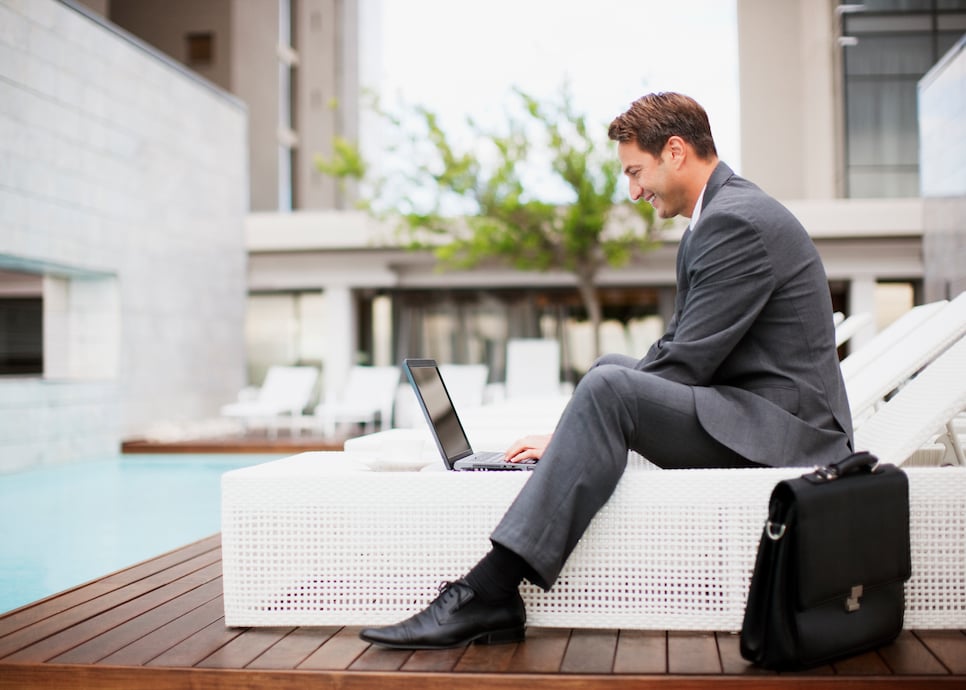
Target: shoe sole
(505,636)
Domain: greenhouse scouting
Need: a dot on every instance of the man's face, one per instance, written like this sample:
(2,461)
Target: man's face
(652,179)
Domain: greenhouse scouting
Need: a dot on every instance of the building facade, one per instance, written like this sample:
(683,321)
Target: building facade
(295,64)
(123,194)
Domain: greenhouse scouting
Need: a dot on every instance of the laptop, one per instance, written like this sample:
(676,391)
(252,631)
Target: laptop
(445,425)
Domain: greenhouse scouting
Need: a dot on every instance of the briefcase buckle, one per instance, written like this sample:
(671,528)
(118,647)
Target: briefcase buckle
(852,601)
(774,531)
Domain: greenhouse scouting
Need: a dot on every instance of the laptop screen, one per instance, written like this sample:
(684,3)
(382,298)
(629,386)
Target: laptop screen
(438,408)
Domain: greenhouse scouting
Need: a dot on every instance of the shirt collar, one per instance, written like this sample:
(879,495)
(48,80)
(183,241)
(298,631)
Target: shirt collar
(696,213)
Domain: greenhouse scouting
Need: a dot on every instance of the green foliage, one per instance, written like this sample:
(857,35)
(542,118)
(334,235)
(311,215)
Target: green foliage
(491,182)
(346,161)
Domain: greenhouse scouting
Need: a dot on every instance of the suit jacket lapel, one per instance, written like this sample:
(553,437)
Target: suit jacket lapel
(682,250)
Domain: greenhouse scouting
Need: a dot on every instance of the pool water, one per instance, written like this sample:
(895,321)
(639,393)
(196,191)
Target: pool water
(63,526)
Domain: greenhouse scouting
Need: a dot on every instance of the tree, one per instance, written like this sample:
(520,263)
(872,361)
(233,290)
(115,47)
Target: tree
(504,218)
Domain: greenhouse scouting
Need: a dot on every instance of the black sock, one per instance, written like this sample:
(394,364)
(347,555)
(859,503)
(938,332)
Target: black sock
(498,574)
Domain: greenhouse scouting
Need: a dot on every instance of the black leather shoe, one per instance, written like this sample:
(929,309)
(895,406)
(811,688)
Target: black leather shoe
(455,618)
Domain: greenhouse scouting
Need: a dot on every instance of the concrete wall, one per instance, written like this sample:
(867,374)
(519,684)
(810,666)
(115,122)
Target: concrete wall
(942,162)
(326,94)
(313,73)
(123,182)
(256,80)
(165,25)
(788,75)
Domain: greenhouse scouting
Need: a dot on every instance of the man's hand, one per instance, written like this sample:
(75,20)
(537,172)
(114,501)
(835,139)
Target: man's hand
(528,448)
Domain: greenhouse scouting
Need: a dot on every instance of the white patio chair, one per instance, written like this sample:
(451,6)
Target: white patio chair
(282,396)
(466,384)
(532,368)
(887,338)
(922,409)
(850,326)
(869,386)
(366,399)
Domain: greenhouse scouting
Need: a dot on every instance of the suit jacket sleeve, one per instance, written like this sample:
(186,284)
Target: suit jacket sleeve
(725,280)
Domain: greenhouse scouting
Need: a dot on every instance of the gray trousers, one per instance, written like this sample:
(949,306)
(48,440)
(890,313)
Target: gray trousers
(614,408)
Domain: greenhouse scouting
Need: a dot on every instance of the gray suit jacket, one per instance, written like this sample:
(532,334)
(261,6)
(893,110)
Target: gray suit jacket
(752,331)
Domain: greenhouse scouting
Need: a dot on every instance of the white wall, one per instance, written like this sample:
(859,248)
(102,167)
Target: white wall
(788,67)
(123,181)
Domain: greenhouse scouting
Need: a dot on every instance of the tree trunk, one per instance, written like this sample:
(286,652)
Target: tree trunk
(586,286)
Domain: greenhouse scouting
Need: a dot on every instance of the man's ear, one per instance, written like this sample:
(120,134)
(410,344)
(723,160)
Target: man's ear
(677,149)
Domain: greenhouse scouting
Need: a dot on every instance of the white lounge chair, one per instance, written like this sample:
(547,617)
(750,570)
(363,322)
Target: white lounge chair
(532,368)
(466,384)
(923,408)
(886,339)
(850,326)
(870,385)
(366,399)
(282,396)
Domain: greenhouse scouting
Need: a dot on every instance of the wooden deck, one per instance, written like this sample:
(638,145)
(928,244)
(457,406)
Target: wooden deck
(159,624)
(251,443)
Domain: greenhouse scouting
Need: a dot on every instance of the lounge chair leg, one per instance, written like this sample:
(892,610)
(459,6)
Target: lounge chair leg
(956,443)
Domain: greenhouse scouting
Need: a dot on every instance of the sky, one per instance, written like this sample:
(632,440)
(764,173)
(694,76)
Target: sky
(458,57)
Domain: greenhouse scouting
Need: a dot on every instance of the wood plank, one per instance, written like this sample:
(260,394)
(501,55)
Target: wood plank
(821,670)
(338,652)
(164,561)
(732,663)
(96,677)
(641,652)
(141,651)
(909,656)
(434,660)
(129,631)
(282,445)
(541,652)
(692,653)
(590,651)
(243,649)
(69,636)
(294,648)
(380,659)
(949,646)
(486,658)
(198,646)
(867,664)
(57,604)
(130,678)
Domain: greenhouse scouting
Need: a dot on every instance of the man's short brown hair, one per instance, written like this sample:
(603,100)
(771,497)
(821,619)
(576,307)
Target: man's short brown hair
(653,119)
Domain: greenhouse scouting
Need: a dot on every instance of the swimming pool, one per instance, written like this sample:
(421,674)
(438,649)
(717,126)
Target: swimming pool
(62,526)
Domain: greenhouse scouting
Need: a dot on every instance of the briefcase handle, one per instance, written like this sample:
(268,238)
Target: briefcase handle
(857,462)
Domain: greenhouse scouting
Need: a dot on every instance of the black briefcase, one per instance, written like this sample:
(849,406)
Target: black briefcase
(832,560)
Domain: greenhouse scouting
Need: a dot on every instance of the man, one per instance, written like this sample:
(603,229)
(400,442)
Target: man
(746,375)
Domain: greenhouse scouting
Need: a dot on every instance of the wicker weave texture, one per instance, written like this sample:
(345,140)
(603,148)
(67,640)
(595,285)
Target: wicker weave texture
(310,541)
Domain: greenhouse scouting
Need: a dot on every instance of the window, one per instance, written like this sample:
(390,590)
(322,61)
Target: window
(898,41)
(200,48)
(21,324)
